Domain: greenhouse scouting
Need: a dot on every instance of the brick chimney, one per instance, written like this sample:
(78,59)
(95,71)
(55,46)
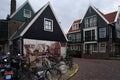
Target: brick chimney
(12,7)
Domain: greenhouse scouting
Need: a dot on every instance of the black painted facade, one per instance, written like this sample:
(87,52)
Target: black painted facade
(36,30)
(99,40)
(100,23)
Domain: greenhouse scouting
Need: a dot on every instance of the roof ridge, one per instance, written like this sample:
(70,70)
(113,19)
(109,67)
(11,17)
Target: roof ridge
(110,12)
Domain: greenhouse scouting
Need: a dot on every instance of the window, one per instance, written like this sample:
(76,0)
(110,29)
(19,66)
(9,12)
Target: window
(95,47)
(118,33)
(94,20)
(93,34)
(75,26)
(69,37)
(102,32)
(86,22)
(91,21)
(88,48)
(27,13)
(73,37)
(78,37)
(88,35)
(48,25)
(102,47)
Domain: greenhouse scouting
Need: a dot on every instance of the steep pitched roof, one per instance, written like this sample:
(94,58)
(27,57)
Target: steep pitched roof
(23,26)
(98,12)
(21,8)
(71,30)
(26,26)
(110,17)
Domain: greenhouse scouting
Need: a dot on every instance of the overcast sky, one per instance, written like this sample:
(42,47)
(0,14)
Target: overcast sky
(66,10)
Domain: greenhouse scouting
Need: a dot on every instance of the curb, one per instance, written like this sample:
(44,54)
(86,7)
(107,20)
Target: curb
(72,74)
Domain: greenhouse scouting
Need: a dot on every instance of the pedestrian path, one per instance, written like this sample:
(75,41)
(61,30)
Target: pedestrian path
(70,73)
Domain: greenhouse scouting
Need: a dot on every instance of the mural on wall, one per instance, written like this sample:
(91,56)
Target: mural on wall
(35,49)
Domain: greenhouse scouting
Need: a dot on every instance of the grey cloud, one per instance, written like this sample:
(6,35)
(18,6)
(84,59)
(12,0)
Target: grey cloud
(66,10)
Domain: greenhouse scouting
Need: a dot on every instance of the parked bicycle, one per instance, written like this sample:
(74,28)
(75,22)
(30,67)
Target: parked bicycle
(51,70)
(69,61)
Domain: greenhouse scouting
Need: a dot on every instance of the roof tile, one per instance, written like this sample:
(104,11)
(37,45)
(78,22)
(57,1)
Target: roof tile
(71,30)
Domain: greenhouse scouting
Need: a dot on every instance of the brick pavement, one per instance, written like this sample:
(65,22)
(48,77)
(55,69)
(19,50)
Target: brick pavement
(94,69)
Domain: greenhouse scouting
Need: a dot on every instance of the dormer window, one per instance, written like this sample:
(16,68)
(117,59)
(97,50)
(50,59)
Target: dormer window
(48,25)
(75,26)
(27,13)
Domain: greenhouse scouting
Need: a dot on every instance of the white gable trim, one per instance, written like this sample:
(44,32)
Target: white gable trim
(58,22)
(85,14)
(98,14)
(21,8)
(118,12)
(33,20)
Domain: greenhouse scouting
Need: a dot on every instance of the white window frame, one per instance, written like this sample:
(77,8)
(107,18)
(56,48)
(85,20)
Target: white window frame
(90,29)
(75,26)
(86,23)
(26,15)
(73,37)
(100,50)
(78,37)
(102,32)
(94,21)
(90,21)
(94,48)
(48,29)
(69,37)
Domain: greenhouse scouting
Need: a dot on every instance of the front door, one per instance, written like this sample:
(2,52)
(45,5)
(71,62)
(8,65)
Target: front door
(87,48)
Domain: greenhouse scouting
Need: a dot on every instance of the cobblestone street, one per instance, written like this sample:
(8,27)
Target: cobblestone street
(92,69)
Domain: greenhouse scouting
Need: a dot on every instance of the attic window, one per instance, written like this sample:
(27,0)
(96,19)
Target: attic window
(27,13)
(48,25)
(75,26)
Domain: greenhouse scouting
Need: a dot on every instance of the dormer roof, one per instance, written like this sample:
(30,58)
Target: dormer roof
(75,22)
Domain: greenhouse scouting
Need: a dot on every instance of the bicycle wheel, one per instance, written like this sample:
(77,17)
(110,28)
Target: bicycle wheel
(48,75)
(55,74)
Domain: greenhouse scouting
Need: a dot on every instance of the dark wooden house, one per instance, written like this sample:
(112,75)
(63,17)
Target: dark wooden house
(13,21)
(100,33)
(42,31)
(75,39)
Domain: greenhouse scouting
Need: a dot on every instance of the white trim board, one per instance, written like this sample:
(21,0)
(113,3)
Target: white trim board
(97,13)
(35,18)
